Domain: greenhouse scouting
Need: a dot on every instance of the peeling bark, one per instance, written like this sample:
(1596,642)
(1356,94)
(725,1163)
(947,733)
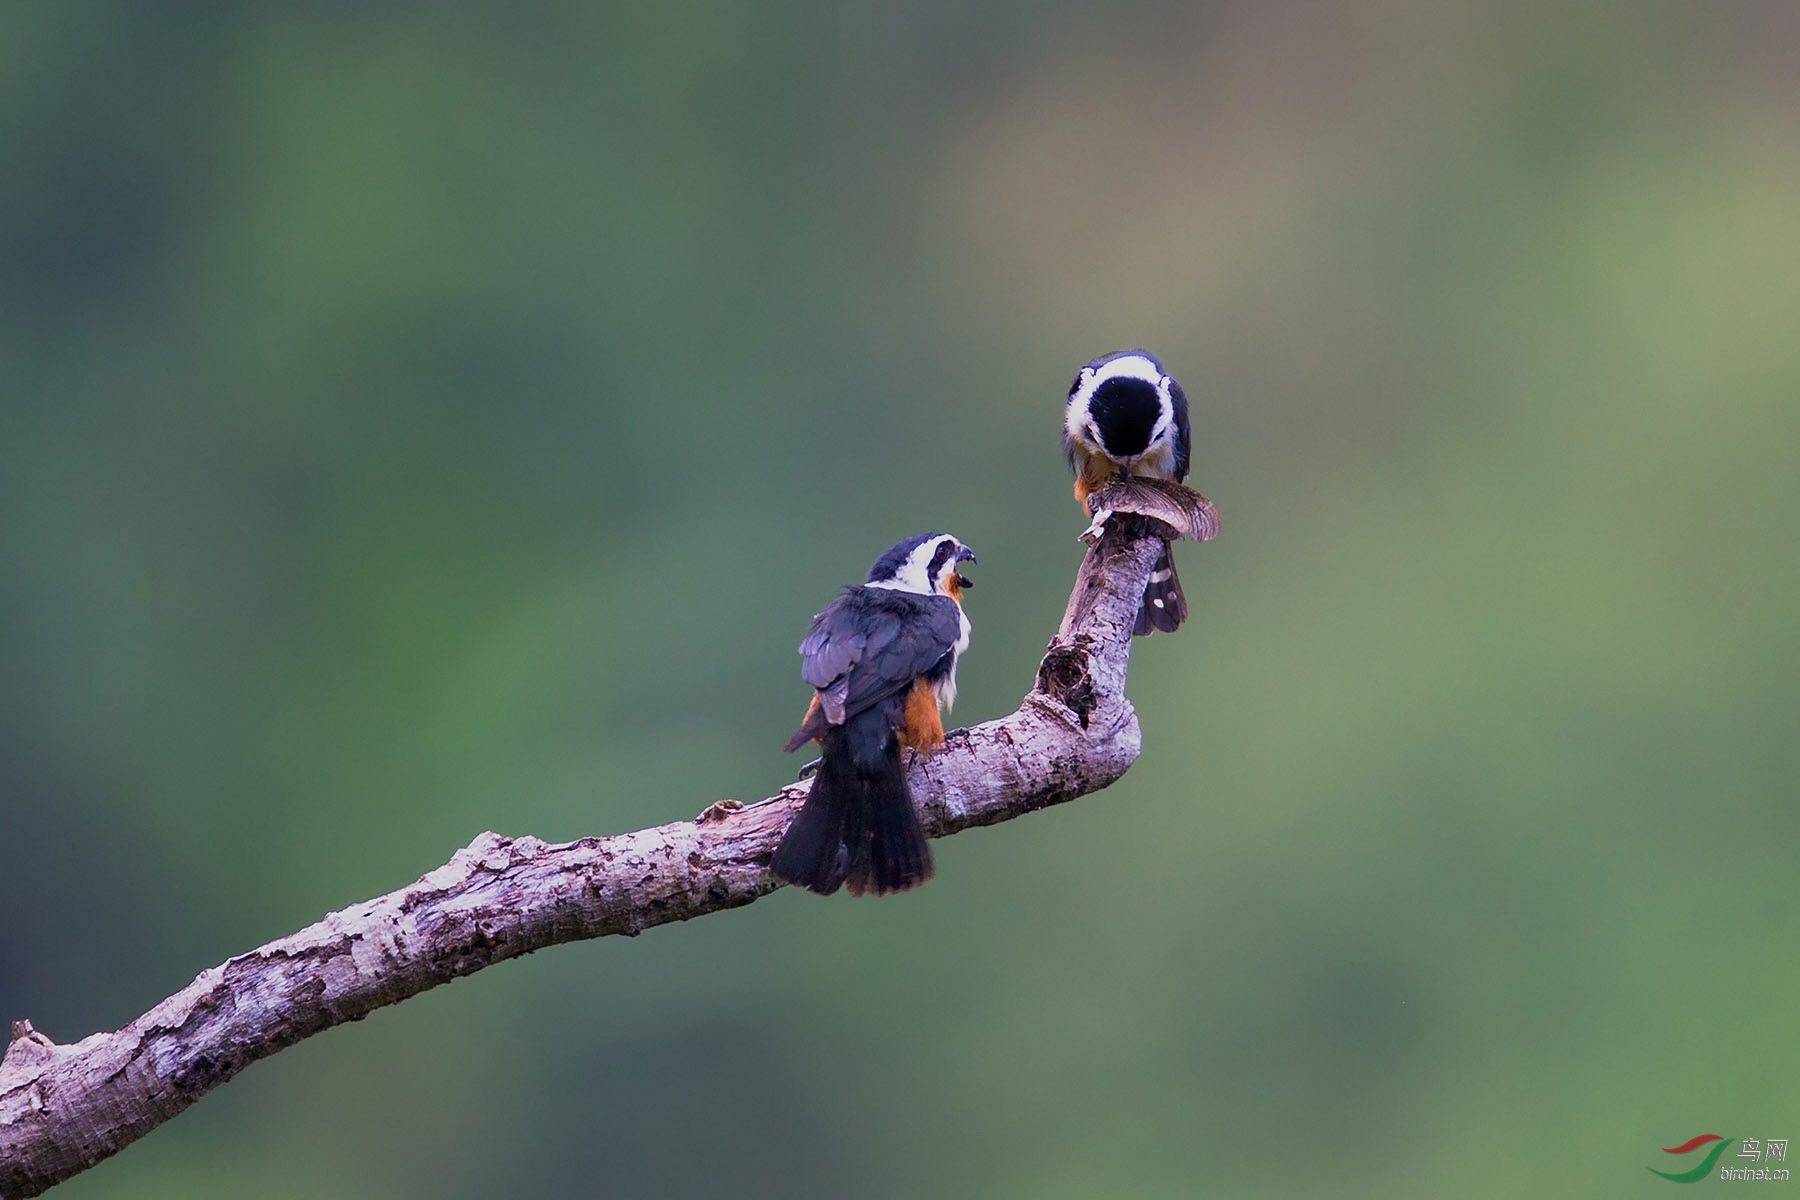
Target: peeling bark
(63,1108)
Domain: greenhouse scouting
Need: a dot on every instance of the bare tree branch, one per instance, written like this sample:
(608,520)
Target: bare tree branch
(64,1108)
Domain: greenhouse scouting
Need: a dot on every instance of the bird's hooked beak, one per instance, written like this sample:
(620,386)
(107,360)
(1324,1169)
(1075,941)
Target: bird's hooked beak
(964,555)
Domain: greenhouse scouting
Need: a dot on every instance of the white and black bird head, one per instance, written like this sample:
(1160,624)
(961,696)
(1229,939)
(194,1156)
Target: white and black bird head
(1126,415)
(928,564)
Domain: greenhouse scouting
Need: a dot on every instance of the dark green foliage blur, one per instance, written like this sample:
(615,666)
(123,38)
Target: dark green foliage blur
(417,420)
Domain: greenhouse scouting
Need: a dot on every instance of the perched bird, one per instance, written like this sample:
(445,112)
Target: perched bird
(881,658)
(1127,416)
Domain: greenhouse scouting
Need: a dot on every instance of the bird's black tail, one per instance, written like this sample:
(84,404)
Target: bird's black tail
(858,826)
(1164,606)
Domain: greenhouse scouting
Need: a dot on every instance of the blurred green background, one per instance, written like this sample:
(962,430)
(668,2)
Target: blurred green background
(416,420)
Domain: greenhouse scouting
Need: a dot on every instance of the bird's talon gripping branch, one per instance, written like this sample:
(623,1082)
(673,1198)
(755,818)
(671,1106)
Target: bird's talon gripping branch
(1092,533)
(808,771)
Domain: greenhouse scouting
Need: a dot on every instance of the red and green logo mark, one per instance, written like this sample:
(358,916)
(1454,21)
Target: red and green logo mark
(1692,1144)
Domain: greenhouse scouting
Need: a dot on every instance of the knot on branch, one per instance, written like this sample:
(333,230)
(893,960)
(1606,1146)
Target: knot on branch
(1064,677)
(496,852)
(718,810)
(28,1048)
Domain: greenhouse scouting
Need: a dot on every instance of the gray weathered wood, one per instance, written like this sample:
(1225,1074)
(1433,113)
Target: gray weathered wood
(63,1108)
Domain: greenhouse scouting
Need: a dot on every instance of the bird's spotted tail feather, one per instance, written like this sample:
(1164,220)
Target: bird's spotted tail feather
(1164,607)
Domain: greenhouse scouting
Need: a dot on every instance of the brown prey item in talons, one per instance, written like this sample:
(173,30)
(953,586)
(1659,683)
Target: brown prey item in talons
(1186,512)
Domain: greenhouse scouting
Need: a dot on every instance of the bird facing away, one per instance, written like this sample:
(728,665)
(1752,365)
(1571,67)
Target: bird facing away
(881,658)
(1127,416)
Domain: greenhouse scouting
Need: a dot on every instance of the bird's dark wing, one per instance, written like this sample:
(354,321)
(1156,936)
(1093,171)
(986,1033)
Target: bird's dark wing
(830,648)
(1183,435)
(871,643)
(834,641)
(912,633)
